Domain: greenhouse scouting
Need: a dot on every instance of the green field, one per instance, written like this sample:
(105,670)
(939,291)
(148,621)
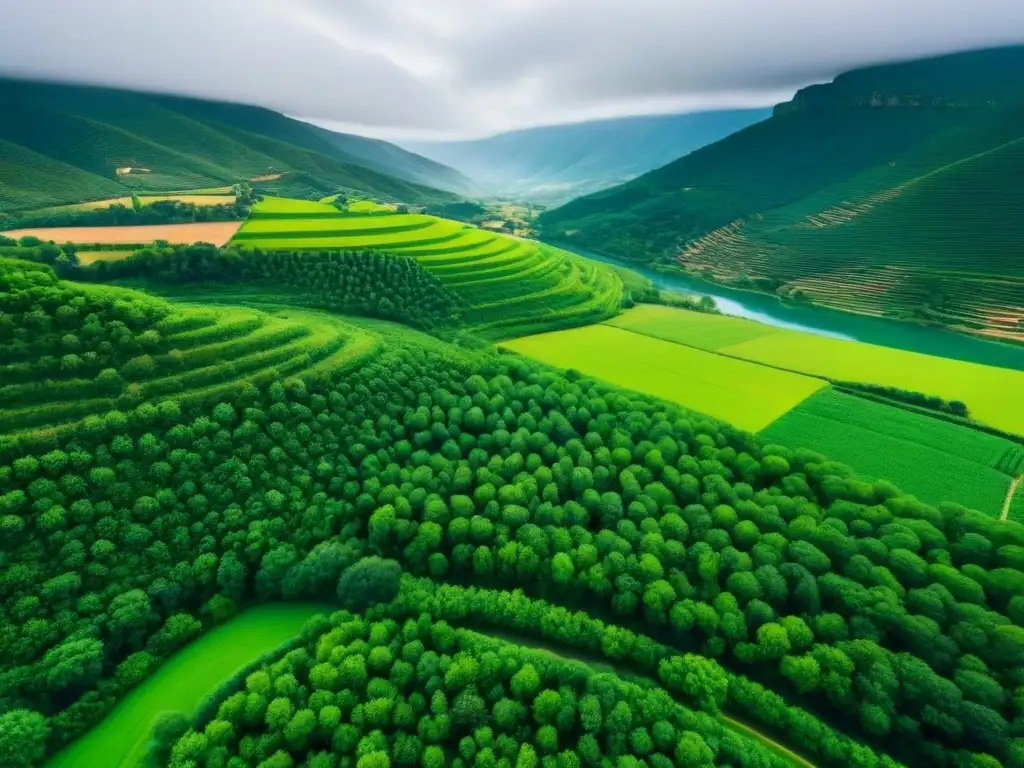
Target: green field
(181,683)
(749,396)
(511,286)
(994,395)
(932,459)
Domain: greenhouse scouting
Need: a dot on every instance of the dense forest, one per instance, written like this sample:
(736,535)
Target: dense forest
(896,622)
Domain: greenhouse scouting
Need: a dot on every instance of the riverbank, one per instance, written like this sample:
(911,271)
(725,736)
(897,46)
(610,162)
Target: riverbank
(832,323)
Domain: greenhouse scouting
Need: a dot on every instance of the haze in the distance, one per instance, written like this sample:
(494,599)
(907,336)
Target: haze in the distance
(458,68)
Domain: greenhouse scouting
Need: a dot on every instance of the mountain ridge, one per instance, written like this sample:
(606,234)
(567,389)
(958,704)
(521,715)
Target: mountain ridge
(172,143)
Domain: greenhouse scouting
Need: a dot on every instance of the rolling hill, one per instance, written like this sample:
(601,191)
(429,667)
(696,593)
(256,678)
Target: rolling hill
(62,144)
(891,190)
(559,162)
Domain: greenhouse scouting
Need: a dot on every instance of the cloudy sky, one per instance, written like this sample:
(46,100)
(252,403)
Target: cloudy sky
(433,68)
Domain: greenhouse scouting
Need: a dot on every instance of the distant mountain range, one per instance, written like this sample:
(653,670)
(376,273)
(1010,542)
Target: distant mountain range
(556,163)
(62,144)
(895,189)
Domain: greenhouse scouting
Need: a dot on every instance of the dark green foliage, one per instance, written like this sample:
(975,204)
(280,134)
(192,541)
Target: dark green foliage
(116,214)
(895,621)
(430,695)
(365,282)
(372,580)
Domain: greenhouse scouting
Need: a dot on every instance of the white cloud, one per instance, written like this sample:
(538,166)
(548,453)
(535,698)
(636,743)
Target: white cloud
(391,67)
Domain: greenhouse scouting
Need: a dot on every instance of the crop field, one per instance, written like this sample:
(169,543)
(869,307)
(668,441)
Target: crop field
(180,684)
(286,205)
(86,258)
(749,396)
(695,329)
(931,234)
(207,353)
(368,206)
(513,287)
(215,232)
(932,459)
(995,396)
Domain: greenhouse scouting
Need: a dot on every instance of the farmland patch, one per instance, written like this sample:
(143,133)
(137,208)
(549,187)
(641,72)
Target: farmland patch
(747,395)
(930,458)
(215,232)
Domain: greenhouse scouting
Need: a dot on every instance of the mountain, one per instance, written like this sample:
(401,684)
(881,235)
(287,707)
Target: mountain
(892,190)
(555,163)
(63,143)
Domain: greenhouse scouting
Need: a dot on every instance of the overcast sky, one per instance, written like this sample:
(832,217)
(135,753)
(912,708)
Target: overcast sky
(426,68)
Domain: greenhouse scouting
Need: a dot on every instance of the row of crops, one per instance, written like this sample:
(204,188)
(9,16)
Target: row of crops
(930,235)
(511,286)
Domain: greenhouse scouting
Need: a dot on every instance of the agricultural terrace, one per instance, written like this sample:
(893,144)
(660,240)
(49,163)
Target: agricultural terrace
(995,396)
(930,458)
(369,206)
(162,351)
(749,396)
(190,675)
(215,232)
(511,286)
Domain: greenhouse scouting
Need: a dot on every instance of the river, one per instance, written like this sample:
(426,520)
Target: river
(822,321)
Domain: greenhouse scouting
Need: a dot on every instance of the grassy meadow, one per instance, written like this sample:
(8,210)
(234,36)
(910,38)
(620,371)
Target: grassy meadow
(995,396)
(180,684)
(749,396)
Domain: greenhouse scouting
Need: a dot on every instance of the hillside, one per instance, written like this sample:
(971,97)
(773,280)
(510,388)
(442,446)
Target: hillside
(555,163)
(62,144)
(879,198)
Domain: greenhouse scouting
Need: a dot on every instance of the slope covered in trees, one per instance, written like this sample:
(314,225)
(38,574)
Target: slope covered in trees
(895,622)
(889,191)
(63,144)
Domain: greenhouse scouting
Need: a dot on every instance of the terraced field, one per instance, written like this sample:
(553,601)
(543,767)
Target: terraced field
(994,395)
(512,286)
(933,235)
(210,352)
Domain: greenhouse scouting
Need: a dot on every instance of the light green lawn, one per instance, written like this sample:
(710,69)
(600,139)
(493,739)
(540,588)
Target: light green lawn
(181,683)
(746,395)
(994,395)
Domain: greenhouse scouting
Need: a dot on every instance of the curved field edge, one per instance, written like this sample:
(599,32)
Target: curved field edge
(184,680)
(604,665)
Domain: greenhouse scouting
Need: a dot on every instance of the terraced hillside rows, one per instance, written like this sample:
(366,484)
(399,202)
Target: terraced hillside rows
(511,286)
(880,193)
(111,350)
(935,236)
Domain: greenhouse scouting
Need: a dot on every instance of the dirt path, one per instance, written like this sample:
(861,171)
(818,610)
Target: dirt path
(1009,496)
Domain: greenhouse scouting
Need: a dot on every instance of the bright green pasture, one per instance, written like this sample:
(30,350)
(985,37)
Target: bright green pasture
(288,205)
(695,329)
(180,684)
(994,395)
(368,206)
(749,396)
(298,227)
(930,458)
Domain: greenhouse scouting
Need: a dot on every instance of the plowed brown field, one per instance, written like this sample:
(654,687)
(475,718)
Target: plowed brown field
(216,232)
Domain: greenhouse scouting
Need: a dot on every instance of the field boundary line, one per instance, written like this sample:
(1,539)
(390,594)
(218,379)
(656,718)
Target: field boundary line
(1014,485)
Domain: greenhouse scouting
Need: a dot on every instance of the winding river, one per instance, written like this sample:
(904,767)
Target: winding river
(831,322)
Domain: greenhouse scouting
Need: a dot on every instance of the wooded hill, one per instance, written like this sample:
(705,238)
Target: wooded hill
(64,144)
(889,191)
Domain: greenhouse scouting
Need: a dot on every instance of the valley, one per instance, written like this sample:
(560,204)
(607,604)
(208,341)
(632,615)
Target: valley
(721,469)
